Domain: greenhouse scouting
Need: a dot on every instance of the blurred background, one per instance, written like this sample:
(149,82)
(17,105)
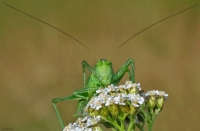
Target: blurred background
(38,63)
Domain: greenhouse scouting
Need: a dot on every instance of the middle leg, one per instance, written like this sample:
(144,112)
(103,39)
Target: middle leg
(120,73)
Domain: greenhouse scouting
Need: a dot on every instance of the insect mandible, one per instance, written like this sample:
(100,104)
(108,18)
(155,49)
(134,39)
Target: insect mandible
(102,73)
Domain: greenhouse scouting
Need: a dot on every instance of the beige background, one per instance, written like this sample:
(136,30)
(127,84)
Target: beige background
(38,63)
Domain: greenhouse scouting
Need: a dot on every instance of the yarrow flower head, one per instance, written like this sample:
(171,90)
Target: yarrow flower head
(87,123)
(156,98)
(156,93)
(136,100)
(162,94)
(129,84)
(113,96)
(120,107)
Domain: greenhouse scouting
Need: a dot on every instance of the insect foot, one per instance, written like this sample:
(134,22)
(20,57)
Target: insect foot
(120,108)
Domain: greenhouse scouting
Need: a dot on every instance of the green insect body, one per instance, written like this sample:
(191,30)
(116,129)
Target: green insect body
(102,76)
(102,73)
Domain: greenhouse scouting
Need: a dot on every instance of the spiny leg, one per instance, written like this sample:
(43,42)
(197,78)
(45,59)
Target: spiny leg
(56,100)
(86,65)
(120,73)
(81,94)
(129,74)
(58,116)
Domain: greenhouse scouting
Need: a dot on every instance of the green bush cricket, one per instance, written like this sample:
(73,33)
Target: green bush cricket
(102,73)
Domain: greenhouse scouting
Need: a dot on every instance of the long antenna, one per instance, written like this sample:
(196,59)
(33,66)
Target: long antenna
(148,28)
(53,27)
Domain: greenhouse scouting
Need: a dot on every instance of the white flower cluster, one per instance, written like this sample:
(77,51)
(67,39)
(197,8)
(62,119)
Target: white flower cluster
(156,93)
(111,102)
(84,124)
(118,95)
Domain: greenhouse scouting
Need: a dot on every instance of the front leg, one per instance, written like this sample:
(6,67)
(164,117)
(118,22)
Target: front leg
(120,73)
(81,95)
(86,65)
(56,100)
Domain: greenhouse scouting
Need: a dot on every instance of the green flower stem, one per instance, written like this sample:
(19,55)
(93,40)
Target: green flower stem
(152,119)
(114,123)
(124,117)
(131,126)
(113,129)
(140,127)
(122,124)
(145,114)
(150,125)
(122,120)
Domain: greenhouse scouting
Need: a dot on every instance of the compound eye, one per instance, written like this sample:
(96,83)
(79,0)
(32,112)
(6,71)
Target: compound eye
(98,63)
(108,62)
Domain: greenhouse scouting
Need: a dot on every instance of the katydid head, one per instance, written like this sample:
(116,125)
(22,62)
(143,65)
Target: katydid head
(104,71)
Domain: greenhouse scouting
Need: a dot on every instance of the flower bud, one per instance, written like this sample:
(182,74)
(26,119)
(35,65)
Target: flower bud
(160,102)
(112,93)
(113,110)
(133,90)
(93,112)
(122,90)
(96,128)
(104,111)
(151,101)
(124,108)
(132,110)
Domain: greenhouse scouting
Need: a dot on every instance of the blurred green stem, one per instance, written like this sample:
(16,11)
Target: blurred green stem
(131,126)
